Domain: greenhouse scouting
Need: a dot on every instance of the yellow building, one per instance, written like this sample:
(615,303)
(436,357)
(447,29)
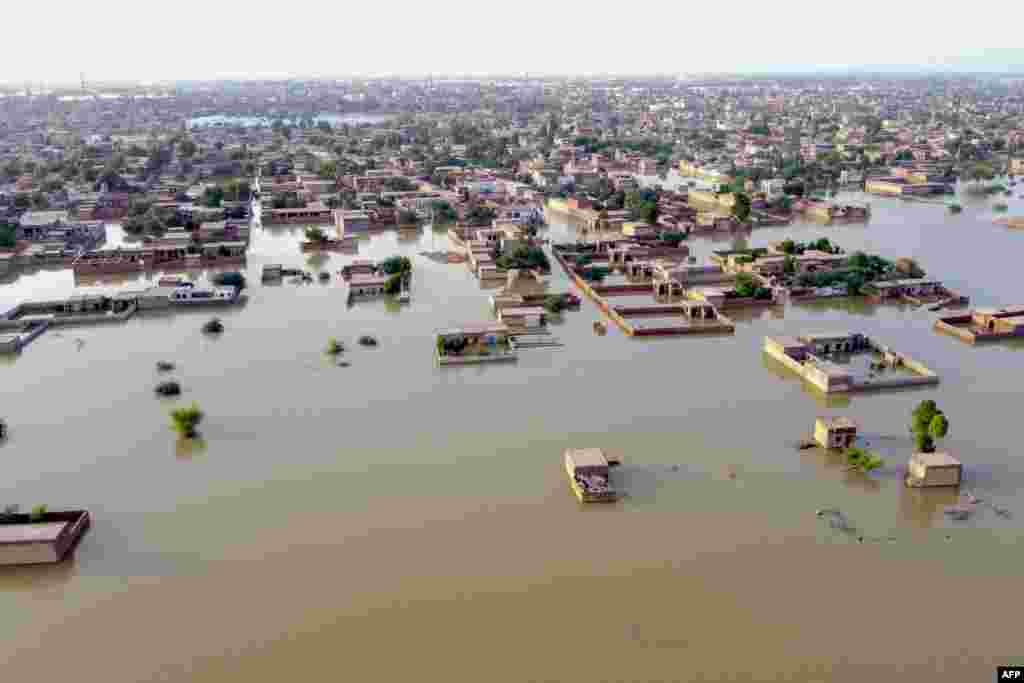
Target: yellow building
(835,432)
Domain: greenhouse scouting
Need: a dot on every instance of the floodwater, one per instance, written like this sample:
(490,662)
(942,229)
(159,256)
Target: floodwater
(396,521)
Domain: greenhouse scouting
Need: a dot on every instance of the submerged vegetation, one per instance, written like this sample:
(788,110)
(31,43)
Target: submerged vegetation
(334,347)
(862,460)
(186,419)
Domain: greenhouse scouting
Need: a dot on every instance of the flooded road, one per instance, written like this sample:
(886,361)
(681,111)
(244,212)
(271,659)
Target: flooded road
(392,520)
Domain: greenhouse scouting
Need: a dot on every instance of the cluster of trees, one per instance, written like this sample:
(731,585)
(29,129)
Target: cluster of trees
(444,213)
(928,424)
(672,238)
(8,235)
(741,207)
(863,460)
(748,288)
(524,257)
(643,204)
(788,246)
(213,196)
(480,215)
(595,273)
(315,234)
(399,272)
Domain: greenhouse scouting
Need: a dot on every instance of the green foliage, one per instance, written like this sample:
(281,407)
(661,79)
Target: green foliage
(524,257)
(328,169)
(8,235)
(213,196)
(315,234)
(554,304)
(748,288)
(648,212)
(393,285)
(444,213)
(789,265)
(396,265)
(863,460)
(928,424)
(38,513)
(186,419)
(673,237)
(741,208)
(334,347)
(595,273)
(149,223)
(480,215)
(939,426)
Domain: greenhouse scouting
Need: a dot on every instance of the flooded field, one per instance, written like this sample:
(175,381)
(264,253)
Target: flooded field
(394,520)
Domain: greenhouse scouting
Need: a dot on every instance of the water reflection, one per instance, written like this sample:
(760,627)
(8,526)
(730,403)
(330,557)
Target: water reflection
(29,577)
(924,507)
(187,449)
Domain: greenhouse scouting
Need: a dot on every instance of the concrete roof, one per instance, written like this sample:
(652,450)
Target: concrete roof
(31,533)
(936,459)
(838,422)
(586,457)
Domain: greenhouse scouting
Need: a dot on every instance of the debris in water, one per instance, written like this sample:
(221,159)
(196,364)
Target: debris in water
(79,343)
(170,388)
(164,366)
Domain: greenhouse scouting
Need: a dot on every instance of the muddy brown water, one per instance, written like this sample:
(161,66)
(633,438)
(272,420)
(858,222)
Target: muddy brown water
(392,520)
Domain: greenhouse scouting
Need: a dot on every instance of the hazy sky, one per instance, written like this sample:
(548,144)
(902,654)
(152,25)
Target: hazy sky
(117,39)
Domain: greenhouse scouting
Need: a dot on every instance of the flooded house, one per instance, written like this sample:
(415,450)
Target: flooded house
(835,432)
(933,469)
(985,324)
(847,362)
(40,539)
(475,343)
(367,285)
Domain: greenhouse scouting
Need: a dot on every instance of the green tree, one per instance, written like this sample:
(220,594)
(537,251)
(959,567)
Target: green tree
(928,423)
(939,426)
(393,285)
(396,265)
(186,419)
(213,196)
(8,235)
(315,234)
(741,208)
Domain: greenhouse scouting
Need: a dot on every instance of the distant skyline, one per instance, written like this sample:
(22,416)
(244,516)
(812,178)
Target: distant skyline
(115,40)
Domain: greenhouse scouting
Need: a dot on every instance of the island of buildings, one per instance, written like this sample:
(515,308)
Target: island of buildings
(984,324)
(847,362)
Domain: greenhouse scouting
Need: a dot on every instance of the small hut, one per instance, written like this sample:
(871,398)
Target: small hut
(933,469)
(835,432)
